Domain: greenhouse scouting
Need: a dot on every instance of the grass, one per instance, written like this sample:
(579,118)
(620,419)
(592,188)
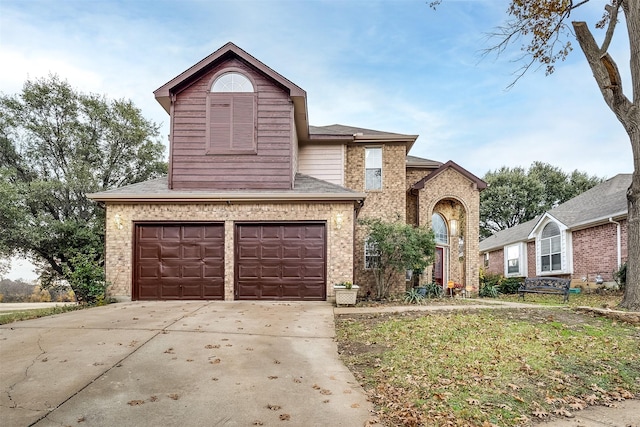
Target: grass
(16,316)
(609,299)
(491,366)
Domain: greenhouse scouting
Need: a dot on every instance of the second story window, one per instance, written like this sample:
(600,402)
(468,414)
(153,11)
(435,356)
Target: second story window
(373,168)
(231,115)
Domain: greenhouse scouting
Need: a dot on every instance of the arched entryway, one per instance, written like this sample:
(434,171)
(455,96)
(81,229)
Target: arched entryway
(448,221)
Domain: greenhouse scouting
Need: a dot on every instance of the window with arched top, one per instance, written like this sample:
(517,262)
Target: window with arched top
(440,229)
(232,82)
(231,115)
(550,248)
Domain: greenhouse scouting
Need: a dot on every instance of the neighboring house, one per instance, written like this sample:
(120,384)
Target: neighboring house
(258,204)
(581,239)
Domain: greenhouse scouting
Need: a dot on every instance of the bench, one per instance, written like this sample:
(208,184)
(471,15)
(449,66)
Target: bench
(546,285)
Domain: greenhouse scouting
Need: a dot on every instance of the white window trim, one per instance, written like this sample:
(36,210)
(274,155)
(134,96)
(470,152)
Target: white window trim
(368,254)
(566,250)
(522,260)
(381,168)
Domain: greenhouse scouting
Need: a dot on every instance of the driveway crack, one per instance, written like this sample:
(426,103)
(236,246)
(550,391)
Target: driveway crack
(12,403)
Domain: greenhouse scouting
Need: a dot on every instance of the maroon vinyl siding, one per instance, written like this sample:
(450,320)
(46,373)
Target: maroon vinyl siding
(280,261)
(179,261)
(267,166)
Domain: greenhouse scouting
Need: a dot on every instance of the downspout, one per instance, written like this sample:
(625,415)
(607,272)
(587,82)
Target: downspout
(619,249)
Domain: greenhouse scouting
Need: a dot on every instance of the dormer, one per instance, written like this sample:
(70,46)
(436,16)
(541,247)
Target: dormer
(235,124)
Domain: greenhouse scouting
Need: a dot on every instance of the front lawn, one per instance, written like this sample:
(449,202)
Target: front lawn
(492,366)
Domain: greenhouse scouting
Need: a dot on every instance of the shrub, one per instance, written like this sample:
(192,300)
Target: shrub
(87,279)
(413,296)
(620,276)
(510,285)
(433,290)
(489,284)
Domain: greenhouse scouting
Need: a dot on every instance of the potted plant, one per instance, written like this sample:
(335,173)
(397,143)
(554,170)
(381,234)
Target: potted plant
(346,293)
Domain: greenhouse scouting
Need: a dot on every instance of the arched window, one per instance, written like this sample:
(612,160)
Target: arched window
(232,82)
(231,115)
(550,248)
(440,230)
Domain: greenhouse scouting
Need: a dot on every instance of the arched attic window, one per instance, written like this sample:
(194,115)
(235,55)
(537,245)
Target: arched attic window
(231,115)
(440,230)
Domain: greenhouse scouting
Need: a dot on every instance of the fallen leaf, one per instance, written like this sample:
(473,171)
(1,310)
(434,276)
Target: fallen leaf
(473,402)
(285,417)
(540,413)
(274,407)
(135,402)
(174,396)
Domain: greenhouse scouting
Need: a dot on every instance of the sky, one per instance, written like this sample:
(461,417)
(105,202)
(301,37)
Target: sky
(389,65)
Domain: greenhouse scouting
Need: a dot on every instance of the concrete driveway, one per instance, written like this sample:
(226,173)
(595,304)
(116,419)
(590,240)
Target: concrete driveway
(179,364)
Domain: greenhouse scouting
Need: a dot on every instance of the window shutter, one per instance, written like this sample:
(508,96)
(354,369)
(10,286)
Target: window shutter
(231,123)
(220,123)
(243,122)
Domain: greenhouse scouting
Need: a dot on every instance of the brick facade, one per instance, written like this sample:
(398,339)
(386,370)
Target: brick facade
(119,241)
(454,196)
(595,251)
(388,204)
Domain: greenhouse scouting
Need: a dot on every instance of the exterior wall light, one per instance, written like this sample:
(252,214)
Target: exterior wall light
(338,220)
(453,225)
(117,220)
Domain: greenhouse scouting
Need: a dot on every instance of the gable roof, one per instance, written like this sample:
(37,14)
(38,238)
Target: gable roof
(480,184)
(306,188)
(230,50)
(594,206)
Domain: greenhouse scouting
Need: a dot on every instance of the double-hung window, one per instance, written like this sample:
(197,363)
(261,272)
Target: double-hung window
(550,248)
(371,254)
(373,168)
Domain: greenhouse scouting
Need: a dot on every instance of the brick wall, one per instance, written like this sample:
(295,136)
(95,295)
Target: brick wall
(595,251)
(119,242)
(463,198)
(389,204)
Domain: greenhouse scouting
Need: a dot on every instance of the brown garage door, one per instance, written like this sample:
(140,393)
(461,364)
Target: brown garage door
(179,261)
(280,261)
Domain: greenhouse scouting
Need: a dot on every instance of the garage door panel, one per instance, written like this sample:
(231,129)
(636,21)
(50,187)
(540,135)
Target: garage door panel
(148,271)
(179,261)
(248,252)
(313,272)
(269,272)
(191,271)
(280,261)
(292,271)
(210,251)
(248,272)
(170,233)
(292,252)
(293,232)
(213,272)
(270,232)
(171,251)
(271,252)
(314,233)
(148,251)
(149,233)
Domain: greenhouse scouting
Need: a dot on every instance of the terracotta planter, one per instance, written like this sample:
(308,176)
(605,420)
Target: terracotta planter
(346,296)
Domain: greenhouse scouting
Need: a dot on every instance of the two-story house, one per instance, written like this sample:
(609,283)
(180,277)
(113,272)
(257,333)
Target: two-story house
(258,204)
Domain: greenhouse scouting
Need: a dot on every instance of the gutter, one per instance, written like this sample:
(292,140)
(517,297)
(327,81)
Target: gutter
(618,243)
(225,198)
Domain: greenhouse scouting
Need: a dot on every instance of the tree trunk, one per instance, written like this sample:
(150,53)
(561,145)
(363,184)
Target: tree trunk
(607,76)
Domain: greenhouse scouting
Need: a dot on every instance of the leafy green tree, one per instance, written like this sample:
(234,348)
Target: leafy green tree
(398,247)
(56,145)
(515,195)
